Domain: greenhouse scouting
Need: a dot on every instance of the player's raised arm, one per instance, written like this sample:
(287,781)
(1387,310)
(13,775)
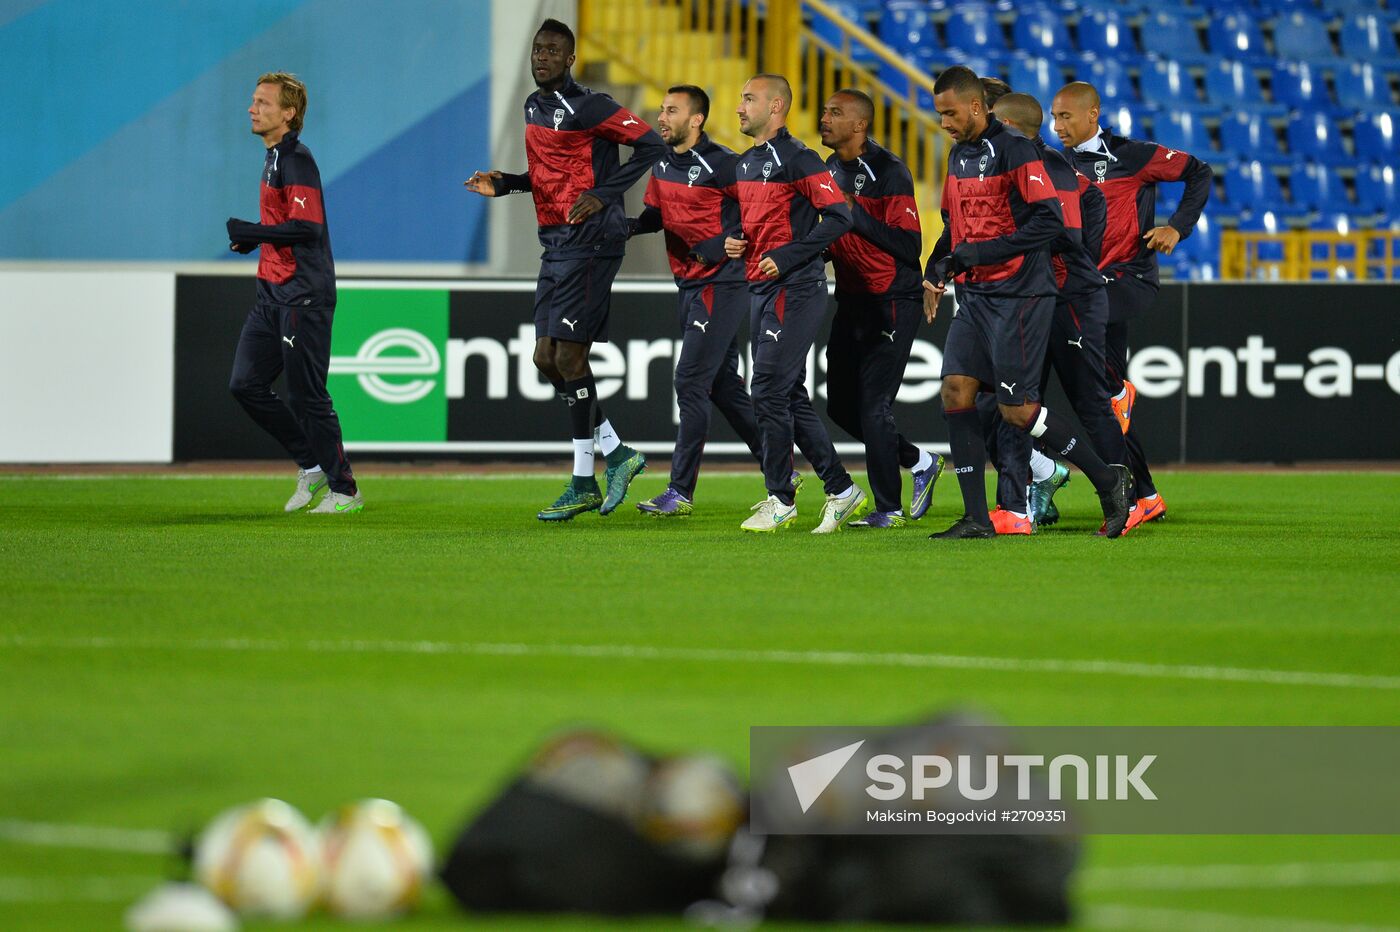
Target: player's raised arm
(649,220)
(1174,165)
(624,127)
(496,183)
(814,182)
(306,216)
(898,232)
(1044,221)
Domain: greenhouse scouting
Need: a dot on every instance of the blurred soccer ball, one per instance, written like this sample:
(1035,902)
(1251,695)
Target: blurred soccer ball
(377,860)
(262,859)
(180,907)
(593,770)
(692,806)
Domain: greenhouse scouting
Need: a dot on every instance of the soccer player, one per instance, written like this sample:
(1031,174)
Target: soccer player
(571,139)
(1077,333)
(1001,218)
(879,306)
(791,211)
(1127,171)
(289,328)
(691,197)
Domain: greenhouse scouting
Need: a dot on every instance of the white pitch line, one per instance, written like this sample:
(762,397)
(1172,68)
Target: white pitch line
(91,837)
(727,656)
(1241,876)
(1143,919)
(74,889)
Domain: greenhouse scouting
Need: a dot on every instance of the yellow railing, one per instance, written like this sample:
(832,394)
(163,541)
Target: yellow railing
(719,44)
(1310,255)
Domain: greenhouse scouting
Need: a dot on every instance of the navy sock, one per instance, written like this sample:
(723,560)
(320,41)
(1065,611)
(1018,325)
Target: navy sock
(1060,437)
(580,394)
(969,461)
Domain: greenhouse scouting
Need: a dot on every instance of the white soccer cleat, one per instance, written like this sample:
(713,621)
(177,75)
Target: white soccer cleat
(336,503)
(770,515)
(308,484)
(837,511)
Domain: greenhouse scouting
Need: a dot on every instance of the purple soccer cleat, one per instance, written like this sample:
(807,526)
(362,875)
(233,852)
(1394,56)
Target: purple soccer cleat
(669,504)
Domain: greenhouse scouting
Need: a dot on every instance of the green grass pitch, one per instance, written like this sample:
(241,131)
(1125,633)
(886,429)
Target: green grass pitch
(170,647)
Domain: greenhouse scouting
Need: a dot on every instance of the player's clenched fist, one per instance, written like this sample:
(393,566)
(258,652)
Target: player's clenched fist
(734,248)
(487,184)
(768,268)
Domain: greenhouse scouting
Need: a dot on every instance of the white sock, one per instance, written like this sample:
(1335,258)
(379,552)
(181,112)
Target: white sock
(851,490)
(1017,514)
(583,457)
(1042,466)
(607,437)
(925,461)
(1122,393)
(1151,497)
(312,471)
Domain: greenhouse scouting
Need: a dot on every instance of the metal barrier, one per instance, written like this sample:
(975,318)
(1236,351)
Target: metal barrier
(1311,255)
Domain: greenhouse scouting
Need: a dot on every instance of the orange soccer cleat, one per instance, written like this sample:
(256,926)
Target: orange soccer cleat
(1007,523)
(1154,509)
(1123,408)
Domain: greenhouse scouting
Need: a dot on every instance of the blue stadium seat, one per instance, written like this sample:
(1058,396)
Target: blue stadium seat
(1235,86)
(899,83)
(1361,86)
(829,31)
(980,66)
(1168,85)
(1348,7)
(1377,137)
(1378,189)
(1254,186)
(1299,85)
(1042,32)
(1245,135)
(1110,78)
(906,27)
(1198,256)
(1315,136)
(1039,77)
(1303,36)
(1368,37)
(1107,34)
(1237,36)
(1282,7)
(973,29)
(1174,37)
(1185,132)
(1124,120)
(1318,188)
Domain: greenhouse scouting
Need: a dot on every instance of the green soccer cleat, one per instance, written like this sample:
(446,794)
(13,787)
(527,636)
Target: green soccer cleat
(337,503)
(624,465)
(1041,499)
(573,502)
(308,484)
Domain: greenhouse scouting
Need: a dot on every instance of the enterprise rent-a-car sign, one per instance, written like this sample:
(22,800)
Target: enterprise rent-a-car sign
(1225,372)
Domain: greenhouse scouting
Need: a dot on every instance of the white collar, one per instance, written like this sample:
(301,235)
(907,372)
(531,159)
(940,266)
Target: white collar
(1093,144)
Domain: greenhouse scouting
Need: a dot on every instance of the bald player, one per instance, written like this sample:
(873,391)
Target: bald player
(1127,171)
(1001,218)
(1078,331)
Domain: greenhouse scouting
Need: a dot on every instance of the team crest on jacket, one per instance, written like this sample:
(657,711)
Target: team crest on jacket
(860,182)
(558,118)
(767,170)
(1100,169)
(694,175)
(983,162)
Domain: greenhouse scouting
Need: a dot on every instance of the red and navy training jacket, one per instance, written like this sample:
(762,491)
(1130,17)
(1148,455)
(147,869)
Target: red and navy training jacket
(880,256)
(571,140)
(1127,170)
(998,197)
(295,265)
(691,197)
(791,211)
(1076,257)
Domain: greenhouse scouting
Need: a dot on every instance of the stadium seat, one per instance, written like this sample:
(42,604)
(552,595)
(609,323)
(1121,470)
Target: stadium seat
(1235,86)
(1378,189)
(1283,7)
(1299,85)
(899,83)
(1348,7)
(1377,137)
(1174,37)
(1185,132)
(1303,36)
(973,29)
(1039,77)
(1041,31)
(906,27)
(829,31)
(1110,78)
(1318,188)
(1198,256)
(1124,120)
(1368,37)
(982,67)
(1237,36)
(1361,86)
(1167,84)
(1314,136)
(1246,135)
(1253,186)
(1107,34)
